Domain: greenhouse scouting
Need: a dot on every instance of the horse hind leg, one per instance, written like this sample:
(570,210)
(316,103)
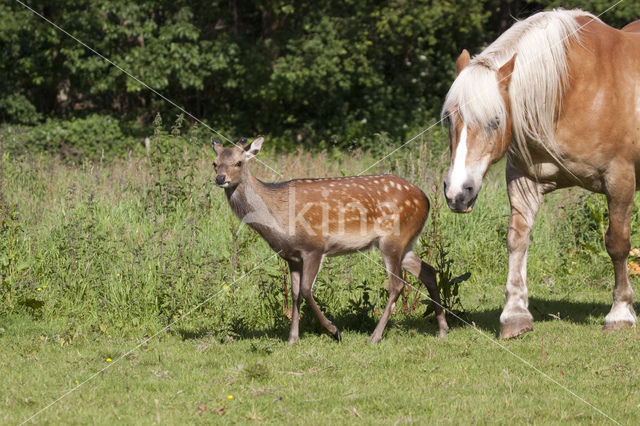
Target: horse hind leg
(617,241)
(425,273)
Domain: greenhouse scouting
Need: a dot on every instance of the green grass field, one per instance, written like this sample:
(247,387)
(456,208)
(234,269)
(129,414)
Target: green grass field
(129,288)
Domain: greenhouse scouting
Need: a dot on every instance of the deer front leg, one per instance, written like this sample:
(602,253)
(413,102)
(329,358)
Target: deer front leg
(392,261)
(617,241)
(310,267)
(525,197)
(295,271)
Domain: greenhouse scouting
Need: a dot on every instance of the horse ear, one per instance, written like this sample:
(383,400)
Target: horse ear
(505,72)
(217,146)
(463,61)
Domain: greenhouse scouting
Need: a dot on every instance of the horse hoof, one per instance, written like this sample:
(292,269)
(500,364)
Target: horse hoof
(617,325)
(515,327)
(337,336)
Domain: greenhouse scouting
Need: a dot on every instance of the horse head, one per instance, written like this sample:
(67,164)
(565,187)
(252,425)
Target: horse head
(477,113)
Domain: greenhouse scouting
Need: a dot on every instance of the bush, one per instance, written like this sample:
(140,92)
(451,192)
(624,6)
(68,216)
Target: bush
(92,137)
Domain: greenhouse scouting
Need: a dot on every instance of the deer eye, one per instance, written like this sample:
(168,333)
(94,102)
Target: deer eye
(215,165)
(239,163)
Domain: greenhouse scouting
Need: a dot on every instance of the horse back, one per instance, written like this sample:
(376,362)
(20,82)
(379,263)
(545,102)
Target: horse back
(599,113)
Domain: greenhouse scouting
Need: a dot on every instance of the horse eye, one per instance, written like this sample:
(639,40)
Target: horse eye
(239,163)
(494,124)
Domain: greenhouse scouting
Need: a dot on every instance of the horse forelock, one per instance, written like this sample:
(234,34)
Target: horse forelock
(474,98)
(540,42)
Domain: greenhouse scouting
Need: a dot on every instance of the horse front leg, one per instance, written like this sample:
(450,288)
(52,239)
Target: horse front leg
(617,241)
(525,197)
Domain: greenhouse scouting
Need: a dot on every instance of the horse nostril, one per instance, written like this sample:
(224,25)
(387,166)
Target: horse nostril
(468,189)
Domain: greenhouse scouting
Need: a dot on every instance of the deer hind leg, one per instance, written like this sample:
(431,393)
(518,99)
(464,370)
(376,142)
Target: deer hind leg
(425,273)
(310,267)
(392,257)
(295,270)
(617,241)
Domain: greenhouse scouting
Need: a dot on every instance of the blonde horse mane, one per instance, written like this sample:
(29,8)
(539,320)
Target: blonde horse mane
(536,83)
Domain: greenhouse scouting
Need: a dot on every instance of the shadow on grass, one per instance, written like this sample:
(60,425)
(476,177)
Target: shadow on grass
(544,310)
(487,320)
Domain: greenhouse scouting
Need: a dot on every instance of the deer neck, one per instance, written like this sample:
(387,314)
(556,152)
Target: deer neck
(254,204)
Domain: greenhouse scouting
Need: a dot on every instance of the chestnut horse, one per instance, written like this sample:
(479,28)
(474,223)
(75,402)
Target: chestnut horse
(559,94)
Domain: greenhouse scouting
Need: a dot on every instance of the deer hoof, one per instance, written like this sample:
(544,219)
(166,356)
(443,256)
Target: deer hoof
(337,336)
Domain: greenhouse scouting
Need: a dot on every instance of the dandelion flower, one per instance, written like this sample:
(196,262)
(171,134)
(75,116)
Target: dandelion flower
(230,397)
(108,359)
(39,289)
(117,275)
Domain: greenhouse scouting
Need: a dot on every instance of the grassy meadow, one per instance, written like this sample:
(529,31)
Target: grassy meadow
(131,279)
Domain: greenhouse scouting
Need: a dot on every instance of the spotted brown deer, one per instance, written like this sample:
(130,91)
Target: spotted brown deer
(304,220)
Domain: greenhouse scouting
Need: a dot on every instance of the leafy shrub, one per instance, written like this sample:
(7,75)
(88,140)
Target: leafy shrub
(92,137)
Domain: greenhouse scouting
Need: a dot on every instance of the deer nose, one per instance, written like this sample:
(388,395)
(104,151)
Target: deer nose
(220,179)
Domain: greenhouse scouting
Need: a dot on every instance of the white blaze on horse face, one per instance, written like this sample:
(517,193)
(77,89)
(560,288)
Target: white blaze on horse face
(459,169)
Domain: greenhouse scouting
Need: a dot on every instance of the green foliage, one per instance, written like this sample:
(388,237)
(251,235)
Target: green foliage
(325,74)
(17,108)
(77,139)
(304,72)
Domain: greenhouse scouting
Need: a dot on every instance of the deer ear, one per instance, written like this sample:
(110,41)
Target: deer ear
(505,72)
(253,149)
(217,146)
(463,61)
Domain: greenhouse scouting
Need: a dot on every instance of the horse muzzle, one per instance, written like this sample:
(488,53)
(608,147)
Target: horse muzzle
(462,200)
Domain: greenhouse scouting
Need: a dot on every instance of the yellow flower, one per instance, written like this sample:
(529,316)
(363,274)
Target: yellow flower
(39,288)
(230,397)
(117,275)
(44,286)
(108,359)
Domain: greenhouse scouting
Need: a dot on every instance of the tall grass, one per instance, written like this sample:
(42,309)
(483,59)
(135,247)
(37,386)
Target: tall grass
(131,245)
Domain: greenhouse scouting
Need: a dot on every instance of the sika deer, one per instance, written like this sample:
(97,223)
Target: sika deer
(304,220)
